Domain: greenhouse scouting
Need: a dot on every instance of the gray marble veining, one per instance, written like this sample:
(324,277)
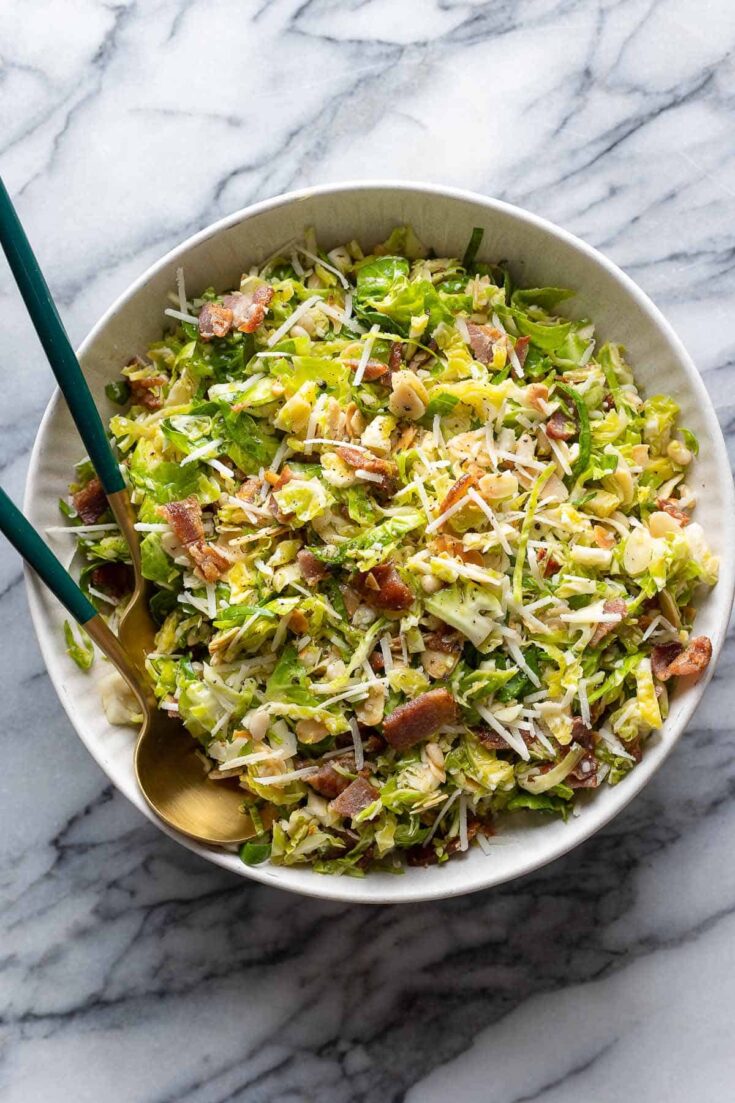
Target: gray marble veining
(132,972)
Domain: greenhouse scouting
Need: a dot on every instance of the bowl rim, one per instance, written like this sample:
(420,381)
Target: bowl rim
(330,888)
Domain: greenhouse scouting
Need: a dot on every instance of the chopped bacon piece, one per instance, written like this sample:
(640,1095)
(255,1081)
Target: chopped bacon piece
(419,719)
(185,518)
(209,561)
(581,734)
(522,349)
(365,461)
(584,774)
(608,402)
(214,320)
(561,426)
(328,782)
(115,579)
(377,662)
(374,369)
(491,739)
(668,505)
(692,659)
(662,656)
(142,391)
(90,502)
(457,492)
(549,565)
(483,340)
(312,571)
(445,639)
(383,588)
(358,795)
(249,308)
(614,605)
(395,360)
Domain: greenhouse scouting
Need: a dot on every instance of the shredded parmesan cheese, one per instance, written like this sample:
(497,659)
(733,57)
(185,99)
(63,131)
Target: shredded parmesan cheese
(367,349)
(299,312)
(181,316)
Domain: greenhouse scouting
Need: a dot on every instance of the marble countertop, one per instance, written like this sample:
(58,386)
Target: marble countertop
(132,971)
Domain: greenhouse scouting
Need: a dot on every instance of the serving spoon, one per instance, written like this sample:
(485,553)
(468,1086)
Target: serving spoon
(170,773)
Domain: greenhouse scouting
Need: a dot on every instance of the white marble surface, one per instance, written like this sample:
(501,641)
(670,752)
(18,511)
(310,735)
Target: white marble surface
(132,971)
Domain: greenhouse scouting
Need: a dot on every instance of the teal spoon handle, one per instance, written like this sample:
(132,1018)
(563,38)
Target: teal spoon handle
(39,556)
(56,344)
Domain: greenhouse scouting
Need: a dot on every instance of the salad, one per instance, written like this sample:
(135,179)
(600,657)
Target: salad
(421,552)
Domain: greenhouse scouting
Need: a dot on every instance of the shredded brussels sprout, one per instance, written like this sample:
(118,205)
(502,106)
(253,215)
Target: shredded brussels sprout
(421,551)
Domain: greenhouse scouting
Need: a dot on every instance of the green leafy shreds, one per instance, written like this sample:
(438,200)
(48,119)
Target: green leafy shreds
(81,650)
(526,528)
(306,594)
(473,246)
(583,417)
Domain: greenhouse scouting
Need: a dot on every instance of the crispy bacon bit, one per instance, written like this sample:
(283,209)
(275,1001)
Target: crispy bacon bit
(680,663)
(458,491)
(483,340)
(668,505)
(374,369)
(581,734)
(248,309)
(328,782)
(395,360)
(209,561)
(584,774)
(608,402)
(663,656)
(358,795)
(419,719)
(522,349)
(377,662)
(365,461)
(561,426)
(185,518)
(312,571)
(90,502)
(383,588)
(142,391)
(214,320)
(548,564)
(115,579)
(614,605)
(491,739)
(445,639)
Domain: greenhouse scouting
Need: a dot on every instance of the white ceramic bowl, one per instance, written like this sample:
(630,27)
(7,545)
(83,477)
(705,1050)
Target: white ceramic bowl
(540,254)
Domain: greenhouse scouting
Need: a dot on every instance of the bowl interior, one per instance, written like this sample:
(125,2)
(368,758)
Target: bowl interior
(540,254)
